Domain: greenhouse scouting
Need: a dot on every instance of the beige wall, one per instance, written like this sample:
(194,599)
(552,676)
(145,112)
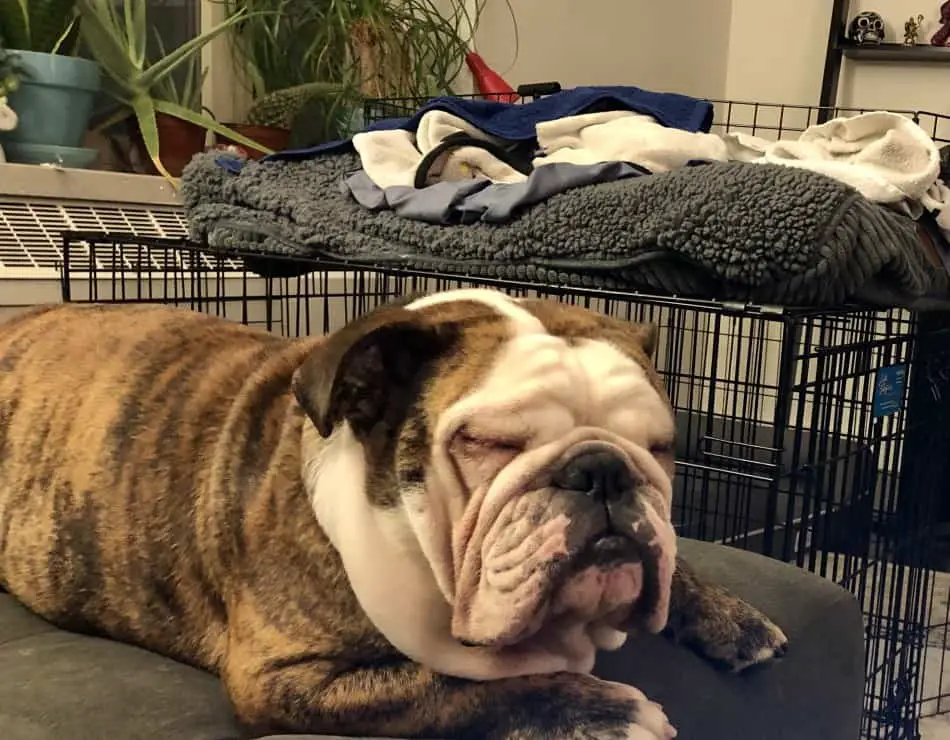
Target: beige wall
(776,50)
(676,45)
(776,54)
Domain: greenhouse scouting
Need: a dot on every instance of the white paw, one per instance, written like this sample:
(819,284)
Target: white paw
(651,724)
(649,720)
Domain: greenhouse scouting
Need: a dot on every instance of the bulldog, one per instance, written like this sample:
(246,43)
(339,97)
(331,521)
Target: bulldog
(423,525)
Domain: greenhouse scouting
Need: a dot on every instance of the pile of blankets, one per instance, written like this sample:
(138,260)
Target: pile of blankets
(603,187)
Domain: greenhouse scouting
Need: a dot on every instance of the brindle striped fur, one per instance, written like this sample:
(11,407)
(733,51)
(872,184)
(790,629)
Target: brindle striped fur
(150,491)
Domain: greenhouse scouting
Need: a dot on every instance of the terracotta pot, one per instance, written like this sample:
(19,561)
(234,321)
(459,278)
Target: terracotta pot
(178,142)
(271,137)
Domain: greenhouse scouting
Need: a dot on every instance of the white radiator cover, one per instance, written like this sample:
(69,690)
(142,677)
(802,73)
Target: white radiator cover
(38,203)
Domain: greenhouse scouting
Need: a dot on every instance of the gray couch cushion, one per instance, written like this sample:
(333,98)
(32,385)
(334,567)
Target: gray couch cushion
(56,686)
(59,686)
(815,693)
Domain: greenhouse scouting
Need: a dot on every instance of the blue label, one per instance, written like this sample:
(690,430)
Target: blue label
(229,162)
(889,390)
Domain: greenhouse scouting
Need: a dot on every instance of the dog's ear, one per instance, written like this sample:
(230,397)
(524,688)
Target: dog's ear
(647,335)
(367,371)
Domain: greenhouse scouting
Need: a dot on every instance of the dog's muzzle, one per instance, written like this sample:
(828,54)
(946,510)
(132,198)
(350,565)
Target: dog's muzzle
(587,540)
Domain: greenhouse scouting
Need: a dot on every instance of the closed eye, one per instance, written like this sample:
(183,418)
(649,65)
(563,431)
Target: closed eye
(474,442)
(478,458)
(661,448)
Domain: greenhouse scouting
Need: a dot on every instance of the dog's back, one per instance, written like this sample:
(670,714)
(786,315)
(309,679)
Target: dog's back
(109,421)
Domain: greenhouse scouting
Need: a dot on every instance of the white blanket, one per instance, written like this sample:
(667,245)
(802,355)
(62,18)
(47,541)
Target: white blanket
(623,136)
(885,156)
(391,158)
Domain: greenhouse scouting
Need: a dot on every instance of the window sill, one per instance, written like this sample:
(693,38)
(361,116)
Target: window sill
(63,184)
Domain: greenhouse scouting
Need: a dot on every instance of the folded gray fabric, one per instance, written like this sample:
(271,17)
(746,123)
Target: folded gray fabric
(470,201)
(734,231)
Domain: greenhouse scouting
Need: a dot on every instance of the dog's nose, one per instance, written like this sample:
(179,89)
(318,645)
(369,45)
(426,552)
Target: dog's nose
(601,474)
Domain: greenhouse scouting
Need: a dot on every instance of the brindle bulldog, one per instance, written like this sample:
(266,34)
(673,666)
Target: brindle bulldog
(423,525)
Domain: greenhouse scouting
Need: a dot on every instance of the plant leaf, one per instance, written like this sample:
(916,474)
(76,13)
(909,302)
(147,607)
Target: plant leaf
(139,31)
(14,25)
(27,25)
(145,109)
(169,63)
(103,35)
(65,35)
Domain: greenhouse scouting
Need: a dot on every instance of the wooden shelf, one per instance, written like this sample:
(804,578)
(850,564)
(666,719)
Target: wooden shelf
(896,53)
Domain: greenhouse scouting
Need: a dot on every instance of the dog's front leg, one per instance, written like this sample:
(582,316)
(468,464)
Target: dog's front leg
(719,626)
(398,698)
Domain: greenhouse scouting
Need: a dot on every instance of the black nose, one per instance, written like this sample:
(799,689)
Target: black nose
(600,474)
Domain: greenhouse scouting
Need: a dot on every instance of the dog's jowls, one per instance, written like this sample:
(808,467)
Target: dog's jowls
(423,525)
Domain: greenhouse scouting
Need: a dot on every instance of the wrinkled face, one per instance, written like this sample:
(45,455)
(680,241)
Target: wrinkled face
(526,448)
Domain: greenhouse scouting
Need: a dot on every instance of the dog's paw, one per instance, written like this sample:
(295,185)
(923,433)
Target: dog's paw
(646,721)
(758,640)
(650,723)
(730,632)
(592,709)
(582,707)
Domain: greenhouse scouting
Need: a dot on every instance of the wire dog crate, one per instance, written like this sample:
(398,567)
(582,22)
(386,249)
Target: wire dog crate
(813,436)
(766,120)
(805,435)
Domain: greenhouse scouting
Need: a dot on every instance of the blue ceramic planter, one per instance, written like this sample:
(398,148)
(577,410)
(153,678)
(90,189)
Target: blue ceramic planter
(55,99)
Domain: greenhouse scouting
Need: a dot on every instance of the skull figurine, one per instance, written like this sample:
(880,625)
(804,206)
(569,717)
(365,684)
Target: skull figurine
(866,28)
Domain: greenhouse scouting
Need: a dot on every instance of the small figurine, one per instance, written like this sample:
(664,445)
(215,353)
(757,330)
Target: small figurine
(912,30)
(943,33)
(867,29)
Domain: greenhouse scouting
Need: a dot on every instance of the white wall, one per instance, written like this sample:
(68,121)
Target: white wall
(777,50)
(677,45)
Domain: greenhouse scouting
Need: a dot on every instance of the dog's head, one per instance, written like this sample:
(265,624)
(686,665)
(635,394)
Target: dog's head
(505,463)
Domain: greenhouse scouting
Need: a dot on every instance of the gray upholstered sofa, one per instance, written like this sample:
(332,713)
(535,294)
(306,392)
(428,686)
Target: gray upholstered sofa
(59,686)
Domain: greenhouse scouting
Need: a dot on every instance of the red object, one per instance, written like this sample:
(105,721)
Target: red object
(488,82)
(943,34)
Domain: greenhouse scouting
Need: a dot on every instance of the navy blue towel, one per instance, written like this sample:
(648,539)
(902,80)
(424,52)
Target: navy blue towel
(516,122)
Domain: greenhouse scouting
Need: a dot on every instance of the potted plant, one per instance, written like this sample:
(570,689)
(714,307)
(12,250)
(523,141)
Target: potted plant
(38,32)
(348,50)
(296,116)
(391,49)
(275,58)
(117,39)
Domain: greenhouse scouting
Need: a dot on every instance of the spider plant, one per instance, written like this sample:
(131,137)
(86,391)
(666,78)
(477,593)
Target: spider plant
(369,48)
(398,48)
(38,25)
(117,40)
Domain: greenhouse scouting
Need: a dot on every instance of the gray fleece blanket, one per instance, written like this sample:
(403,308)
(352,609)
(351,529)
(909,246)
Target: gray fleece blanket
(735,231)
